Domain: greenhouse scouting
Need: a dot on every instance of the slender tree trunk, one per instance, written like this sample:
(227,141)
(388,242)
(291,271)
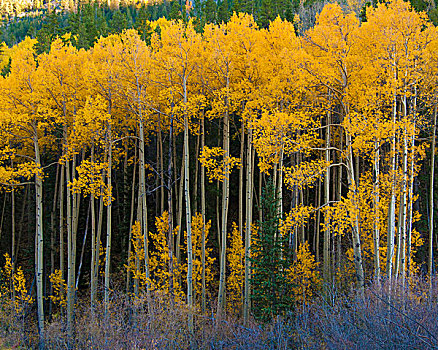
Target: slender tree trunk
(376,210)
(179,214)
(225,195)
(431,196)
(52,234)
(93,245)
(144,216)
(188,218)
(39,249)
(13,229)
(61,222)
(248,206)
(108,220)
(360,277)
(326,244)
(203,293)
(195,185)
(241,171)
(391,208)
(318,223)
(98,241)
(403,209)
(339,197)
(170,240)
(161,172)
(71,257)
(280,185)
(131,220)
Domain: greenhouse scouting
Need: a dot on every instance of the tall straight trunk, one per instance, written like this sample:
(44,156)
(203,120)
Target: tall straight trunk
(259,204)
(431,195)
(224,217)
(376,210)
(248,206)
(339,197)
(188,217)
(195,185)
(13,229)
(391,208)
(180,209)
(108,220)
(39,249)
(241,171)
(280,185)
(170,241)
(93,244)
(203,293)
(75,211)
(71,258)
(360,277)
(403,209)
(131,220)
(411,183)
(52,233)
(142,189)
(411,206)
(98,241)
(326,244)
(137,259)
(158,177)
(160,139)
(125,196)
(317,224)
(61,222)
(144,216)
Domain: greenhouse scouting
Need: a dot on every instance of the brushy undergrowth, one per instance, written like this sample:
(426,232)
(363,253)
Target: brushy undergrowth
(406,320)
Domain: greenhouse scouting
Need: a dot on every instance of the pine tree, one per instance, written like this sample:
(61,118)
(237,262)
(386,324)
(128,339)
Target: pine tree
(270,261)
(223,14)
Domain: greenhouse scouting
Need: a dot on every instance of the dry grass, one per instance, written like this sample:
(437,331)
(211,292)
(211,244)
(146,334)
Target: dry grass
(407,320)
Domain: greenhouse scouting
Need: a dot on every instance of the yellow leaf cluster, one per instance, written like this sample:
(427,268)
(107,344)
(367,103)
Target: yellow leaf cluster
(235,259)
(217,168)
(14,286)
(305,174)
(59,287)
(197,231)
(91,181)
(304,275)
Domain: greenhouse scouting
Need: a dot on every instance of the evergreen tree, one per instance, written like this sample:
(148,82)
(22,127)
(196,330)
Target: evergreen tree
(142,24)
(175,11)
(223,14)
(266,13)
(209,11)
(270,260)
(49,31)
(118,22)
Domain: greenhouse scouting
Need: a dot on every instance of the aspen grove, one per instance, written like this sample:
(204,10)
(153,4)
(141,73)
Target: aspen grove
(234,172)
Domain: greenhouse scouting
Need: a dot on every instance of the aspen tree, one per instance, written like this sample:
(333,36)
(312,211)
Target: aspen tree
(64,90)
(134,60)
(20,91)
(178,48)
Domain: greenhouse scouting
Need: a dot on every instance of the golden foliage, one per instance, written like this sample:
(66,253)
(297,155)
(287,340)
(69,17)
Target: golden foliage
(236,266)
(59,289)
(14,286)
(304,275)
(217,168)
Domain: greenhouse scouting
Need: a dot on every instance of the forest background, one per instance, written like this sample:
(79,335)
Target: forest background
(218,175)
